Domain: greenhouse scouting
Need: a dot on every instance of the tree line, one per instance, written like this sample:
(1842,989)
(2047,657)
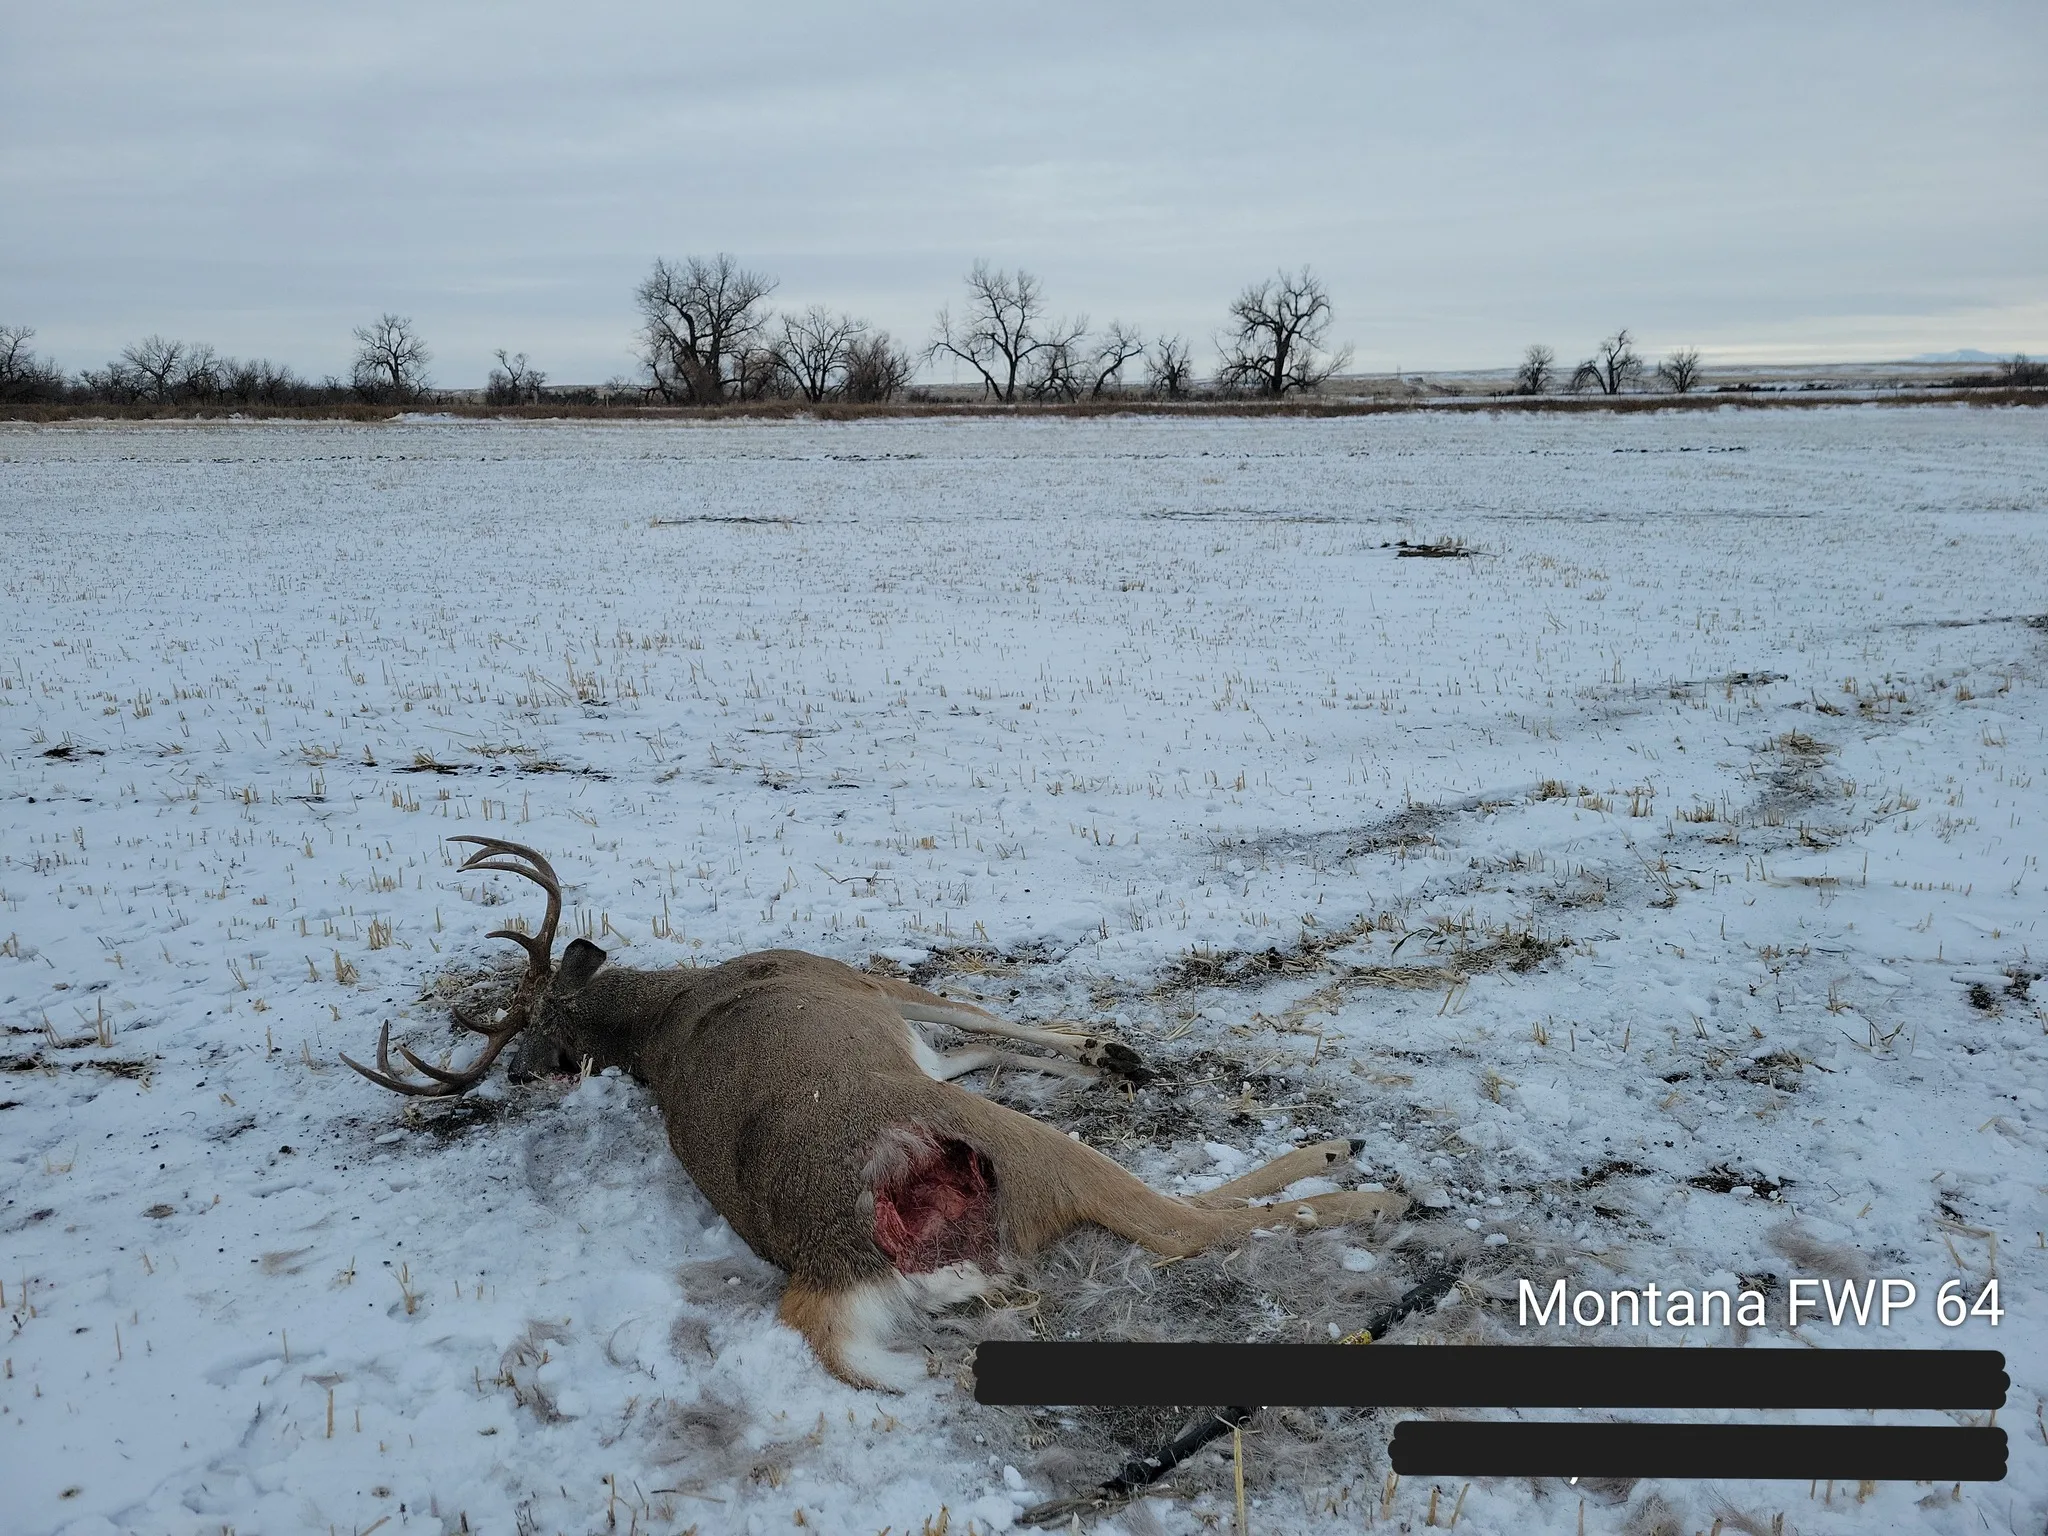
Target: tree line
(1615,366)
(706,335)
(389,367)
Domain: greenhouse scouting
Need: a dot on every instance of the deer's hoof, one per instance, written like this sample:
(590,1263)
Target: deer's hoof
(1125,1065)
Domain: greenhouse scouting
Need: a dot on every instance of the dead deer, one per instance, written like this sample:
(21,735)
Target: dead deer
(814,1116)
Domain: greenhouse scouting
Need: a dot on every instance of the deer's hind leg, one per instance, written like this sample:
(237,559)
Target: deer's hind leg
(1194,1228)
(1091,1188)
(944,1066)
(1097,1051)
(1301,1163)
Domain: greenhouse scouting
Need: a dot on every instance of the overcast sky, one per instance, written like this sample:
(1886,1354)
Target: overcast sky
(1784,182)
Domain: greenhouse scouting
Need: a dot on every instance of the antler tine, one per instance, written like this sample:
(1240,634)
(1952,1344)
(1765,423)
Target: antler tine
(506,863)
(469,1076)
(534,948)
(384,1077)
(518,859)
(445,1084)
(512,859)
(487,846)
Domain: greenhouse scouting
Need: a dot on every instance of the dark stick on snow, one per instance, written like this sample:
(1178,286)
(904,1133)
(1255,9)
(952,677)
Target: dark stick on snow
(1216,1423)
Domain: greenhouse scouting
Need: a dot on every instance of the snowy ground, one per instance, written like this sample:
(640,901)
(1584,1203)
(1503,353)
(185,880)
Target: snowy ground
(1742,711)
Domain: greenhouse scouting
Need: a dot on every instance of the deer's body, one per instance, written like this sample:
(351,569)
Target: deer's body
(780,1075)
(803,1103)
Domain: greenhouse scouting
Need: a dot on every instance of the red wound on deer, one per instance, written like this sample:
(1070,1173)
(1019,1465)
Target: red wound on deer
(938,1208)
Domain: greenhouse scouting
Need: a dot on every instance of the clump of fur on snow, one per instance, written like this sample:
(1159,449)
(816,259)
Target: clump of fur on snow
(1283,1288)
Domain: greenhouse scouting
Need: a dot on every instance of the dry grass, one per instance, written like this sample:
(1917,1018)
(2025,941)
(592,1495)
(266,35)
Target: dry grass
(135,1071)
(1239,968)
(1798,744)
(785,410)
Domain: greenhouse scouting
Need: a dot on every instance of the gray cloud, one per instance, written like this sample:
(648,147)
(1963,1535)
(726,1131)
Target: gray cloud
(1817,182)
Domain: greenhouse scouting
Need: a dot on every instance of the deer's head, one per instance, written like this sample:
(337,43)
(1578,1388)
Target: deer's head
(559,1039)
(544,996)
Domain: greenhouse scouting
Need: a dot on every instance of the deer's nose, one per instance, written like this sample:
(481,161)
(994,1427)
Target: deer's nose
(546,1061)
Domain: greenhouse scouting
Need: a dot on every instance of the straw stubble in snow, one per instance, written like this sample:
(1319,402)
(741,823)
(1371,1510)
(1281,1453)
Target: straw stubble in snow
(1653,891)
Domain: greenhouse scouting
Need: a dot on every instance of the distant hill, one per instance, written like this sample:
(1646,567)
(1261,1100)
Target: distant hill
(1960,355)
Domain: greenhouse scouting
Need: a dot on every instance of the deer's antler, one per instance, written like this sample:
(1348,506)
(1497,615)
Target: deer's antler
(514,859)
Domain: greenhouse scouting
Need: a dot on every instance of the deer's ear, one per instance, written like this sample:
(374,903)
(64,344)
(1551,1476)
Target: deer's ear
(579,963)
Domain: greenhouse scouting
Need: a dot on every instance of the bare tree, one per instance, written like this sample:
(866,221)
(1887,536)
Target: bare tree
(201,373)
(111,383)
(160,372)
(876,369)
(391,360)
(24,376)
(1057,368)
(1002,330)
(1681,370)
(1275,344)
(514,381)
(1613,368)
(757,372)
(241,383)
(15,358)
(1121,344)
(152,367)
(1169,372)
(262,382)
(2022,370)
(1538,365)
(812,348)
(14,352)
(699,321)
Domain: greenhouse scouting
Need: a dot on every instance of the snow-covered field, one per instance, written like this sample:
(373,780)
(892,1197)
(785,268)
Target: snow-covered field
(1734,721)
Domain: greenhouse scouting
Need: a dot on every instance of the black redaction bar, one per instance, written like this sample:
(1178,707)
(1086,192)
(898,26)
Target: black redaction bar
(1485,1376)
(1437,1448)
